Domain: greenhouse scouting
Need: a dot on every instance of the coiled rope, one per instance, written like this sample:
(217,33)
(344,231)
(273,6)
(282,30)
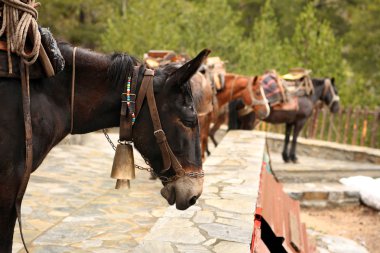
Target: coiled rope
(19,21)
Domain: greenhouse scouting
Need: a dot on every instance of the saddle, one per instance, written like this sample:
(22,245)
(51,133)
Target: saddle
(156,58)
(282,92)
(298,82)
(50,62)
(217,72)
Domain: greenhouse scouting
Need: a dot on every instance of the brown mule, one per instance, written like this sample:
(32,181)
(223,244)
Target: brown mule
(99,83)
(324,90)
(240,87)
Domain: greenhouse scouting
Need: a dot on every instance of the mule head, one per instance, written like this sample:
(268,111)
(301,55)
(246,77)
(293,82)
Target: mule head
(179,121)
(259,101)
(329,94)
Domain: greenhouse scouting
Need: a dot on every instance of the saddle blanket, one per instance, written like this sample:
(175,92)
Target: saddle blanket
(272,89)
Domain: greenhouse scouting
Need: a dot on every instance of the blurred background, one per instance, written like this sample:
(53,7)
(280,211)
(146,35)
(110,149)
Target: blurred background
(333,38)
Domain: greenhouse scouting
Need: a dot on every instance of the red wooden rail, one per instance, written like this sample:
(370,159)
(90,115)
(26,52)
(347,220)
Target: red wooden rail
(356,126)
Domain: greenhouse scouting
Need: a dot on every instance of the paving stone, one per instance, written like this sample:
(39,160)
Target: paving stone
(236,216)
(228,233)
(231,247)
(154,246)
(241,205)
(204,217)
(337,244)
(210,242)
(189,235)
(223,219)
(185,248)
(315,195)
(173,212)
(235,222)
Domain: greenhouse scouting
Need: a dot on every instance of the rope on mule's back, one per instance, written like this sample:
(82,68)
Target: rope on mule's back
(17,19)
(18,24)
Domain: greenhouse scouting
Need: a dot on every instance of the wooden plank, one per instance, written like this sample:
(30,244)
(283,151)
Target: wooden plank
(347,124)
(338,134)
(331,121)
(322,129)
(363,136)
(295,233)
(375,124)
(355,126)
(315,122)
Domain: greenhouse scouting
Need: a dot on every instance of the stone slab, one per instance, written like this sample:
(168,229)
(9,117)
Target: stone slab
(222,219)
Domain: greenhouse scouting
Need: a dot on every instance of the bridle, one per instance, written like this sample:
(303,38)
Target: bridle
(133,107)
(130,109)
(328,87)
(255,101)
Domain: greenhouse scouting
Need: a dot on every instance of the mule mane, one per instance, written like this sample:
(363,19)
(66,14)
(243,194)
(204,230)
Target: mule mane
(121,67)
(318,81)
(118,65)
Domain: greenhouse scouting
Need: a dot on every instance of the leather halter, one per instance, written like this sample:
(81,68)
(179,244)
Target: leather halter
(255,101)
(249,86)
(328,87)
(134,107)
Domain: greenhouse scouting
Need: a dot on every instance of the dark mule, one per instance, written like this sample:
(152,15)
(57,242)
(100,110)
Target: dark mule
(99,82)
(246,88)
(324,90)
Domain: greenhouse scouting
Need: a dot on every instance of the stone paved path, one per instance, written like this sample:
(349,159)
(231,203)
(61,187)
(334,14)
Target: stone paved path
(71,206)
(222,220)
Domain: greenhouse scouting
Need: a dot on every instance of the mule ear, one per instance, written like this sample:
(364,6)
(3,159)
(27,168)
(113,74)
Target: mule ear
(184,73)
(255,80)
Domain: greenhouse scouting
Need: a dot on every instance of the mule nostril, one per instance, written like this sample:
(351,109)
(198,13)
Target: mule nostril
(193,200)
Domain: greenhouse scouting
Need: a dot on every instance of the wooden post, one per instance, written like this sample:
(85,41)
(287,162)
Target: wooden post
(314,123)
(269,127)
(322,130)
(331,121)
(375,123)
(355,127)
(338,137)
(262,127)
(363,136)
(347,124)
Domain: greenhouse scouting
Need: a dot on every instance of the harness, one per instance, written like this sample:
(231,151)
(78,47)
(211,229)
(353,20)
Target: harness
(130,109)
(255,101)
(328,87)
(126,124)
(249,86)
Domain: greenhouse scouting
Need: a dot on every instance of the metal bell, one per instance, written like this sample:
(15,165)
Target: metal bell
(123,168)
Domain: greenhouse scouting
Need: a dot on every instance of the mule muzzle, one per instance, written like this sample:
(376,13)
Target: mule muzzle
(183,192)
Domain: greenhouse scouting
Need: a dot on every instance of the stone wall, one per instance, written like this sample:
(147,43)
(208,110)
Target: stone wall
(324,149)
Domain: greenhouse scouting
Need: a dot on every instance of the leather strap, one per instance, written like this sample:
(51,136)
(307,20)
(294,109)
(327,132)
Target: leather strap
(24,72)
(142,92)
(168,157)
(72,93)
(146,91)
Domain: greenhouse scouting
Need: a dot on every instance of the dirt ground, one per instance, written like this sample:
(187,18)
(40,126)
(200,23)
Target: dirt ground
(358,223)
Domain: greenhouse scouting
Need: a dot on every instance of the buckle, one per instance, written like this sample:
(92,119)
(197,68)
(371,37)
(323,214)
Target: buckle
(149,72)
(124,97)
(160,136)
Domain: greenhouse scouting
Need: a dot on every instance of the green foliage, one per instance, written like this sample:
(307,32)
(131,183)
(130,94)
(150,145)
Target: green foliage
(315,46)
(181,26)
(363,53)
(265,48)
(333,38)
(79,21)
